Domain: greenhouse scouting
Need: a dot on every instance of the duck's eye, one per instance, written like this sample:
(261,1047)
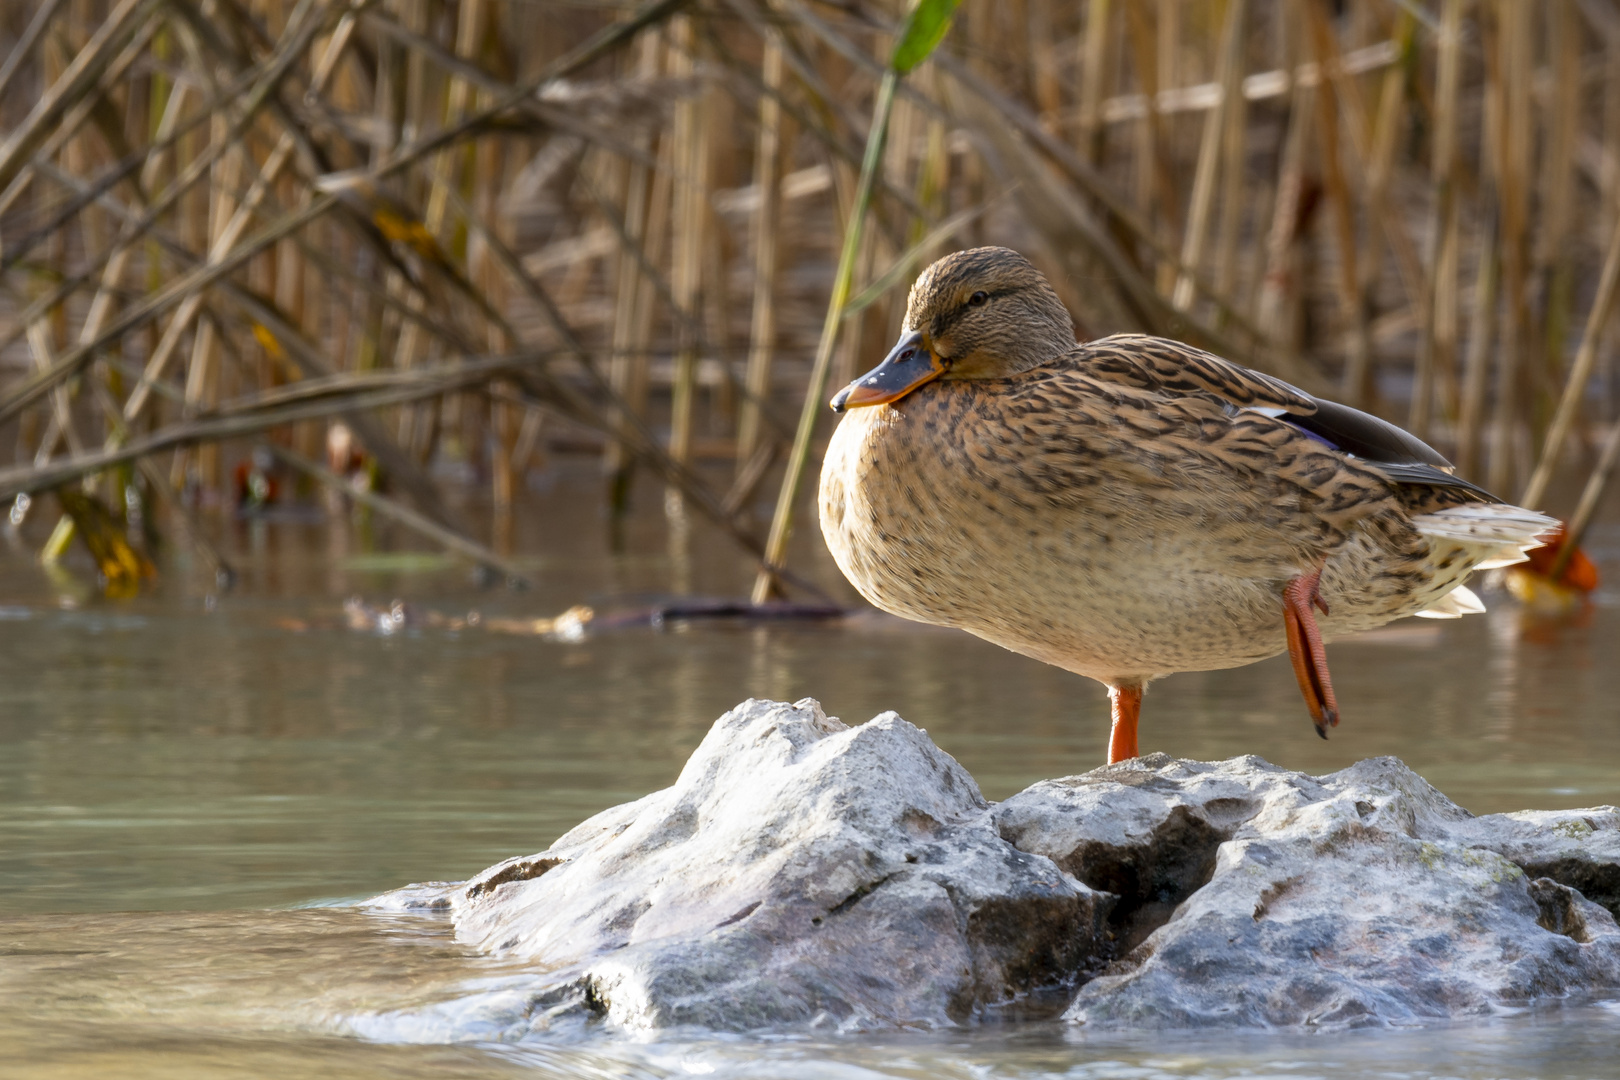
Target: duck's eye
(978,298)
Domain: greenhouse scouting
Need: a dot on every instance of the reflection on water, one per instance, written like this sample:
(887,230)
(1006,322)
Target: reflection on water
(278,993)
(190,756)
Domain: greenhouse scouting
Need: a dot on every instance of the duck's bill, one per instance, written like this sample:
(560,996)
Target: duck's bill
(910,364)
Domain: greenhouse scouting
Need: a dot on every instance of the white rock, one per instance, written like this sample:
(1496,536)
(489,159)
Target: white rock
(799,871)
(1363,897)
(802,873)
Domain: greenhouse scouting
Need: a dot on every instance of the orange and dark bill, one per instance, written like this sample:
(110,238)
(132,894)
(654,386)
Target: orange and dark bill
(910,364)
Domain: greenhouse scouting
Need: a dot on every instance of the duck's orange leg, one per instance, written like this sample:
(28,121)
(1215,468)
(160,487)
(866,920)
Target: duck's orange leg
(1306,650)
(1125,701)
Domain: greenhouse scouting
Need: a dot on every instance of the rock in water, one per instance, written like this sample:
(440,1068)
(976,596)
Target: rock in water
(1255,896)
(801,872)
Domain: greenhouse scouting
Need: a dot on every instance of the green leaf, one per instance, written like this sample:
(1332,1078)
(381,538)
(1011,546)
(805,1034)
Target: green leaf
(925,28)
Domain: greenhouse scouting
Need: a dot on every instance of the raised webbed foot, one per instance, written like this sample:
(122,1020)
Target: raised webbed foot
(1306,650)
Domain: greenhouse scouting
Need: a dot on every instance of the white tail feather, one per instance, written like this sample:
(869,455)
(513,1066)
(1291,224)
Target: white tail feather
(1454,605)
(1477,537)
(1508,556)
(1491,525)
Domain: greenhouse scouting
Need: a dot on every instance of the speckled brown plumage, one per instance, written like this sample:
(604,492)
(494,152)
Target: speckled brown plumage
(1125,508)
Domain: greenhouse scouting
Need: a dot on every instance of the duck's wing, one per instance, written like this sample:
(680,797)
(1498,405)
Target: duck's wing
(1399,455)
(1153,363)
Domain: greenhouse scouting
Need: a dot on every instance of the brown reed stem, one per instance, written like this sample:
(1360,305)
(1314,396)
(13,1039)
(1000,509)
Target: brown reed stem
(767,180)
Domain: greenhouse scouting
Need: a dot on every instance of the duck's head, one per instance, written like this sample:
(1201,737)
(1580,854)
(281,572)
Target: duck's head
(984,313)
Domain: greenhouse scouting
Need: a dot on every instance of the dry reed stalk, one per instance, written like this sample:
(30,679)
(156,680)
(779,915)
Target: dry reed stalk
(768,157)
(1387,127)
(39,341)
(1553,270)
(236,423)
(112,274)
(660,209)
(310,360)
(824,123)
(1437,349)
(75,81)
(1608,173)
(1476,365)
(1591,496)
(41,334)
(389,94)
(504,423)
(1048,89)
(1234,186)
(93,105)
(627,362)
(416,522)
(132,231)
(1371,144)
(1093,79)
(202,377)
(1229,73)
(1512,143)
(25,42)
(234,218)
(691,135)
(458,94)
(1169,77)
(265,81)
(1155,189)
(998,116)
(870,331)
(507,418)
(291,294)
(1580,374)
(193,226)
(1441,381)
(1355,384)
(975,176)
(934,170)
(1607,23)
(562,396)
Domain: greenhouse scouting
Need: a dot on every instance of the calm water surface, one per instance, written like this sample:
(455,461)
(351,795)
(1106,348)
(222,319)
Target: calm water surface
(189,783)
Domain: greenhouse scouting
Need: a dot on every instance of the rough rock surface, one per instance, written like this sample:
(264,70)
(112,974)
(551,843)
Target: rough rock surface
(801,872)
(1255,896)
(798,871)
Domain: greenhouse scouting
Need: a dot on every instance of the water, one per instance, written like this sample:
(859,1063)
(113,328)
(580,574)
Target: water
(190,782)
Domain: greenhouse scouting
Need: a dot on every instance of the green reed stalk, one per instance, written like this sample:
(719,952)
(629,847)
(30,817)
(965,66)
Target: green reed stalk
(925,28)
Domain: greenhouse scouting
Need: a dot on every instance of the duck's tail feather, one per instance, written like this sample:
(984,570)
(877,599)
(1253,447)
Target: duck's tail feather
(1455,604)
(1489,534)
(1477,536)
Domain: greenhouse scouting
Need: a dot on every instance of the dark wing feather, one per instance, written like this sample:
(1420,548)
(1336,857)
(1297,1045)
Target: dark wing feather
(1365,435)
(1418,473)
(1399,455)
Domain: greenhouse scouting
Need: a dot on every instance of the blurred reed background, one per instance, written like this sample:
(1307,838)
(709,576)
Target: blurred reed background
(399,244)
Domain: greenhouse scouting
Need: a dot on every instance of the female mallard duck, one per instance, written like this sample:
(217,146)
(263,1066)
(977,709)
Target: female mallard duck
(1134,507)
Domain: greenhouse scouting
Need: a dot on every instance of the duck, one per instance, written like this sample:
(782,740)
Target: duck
(1132,507)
